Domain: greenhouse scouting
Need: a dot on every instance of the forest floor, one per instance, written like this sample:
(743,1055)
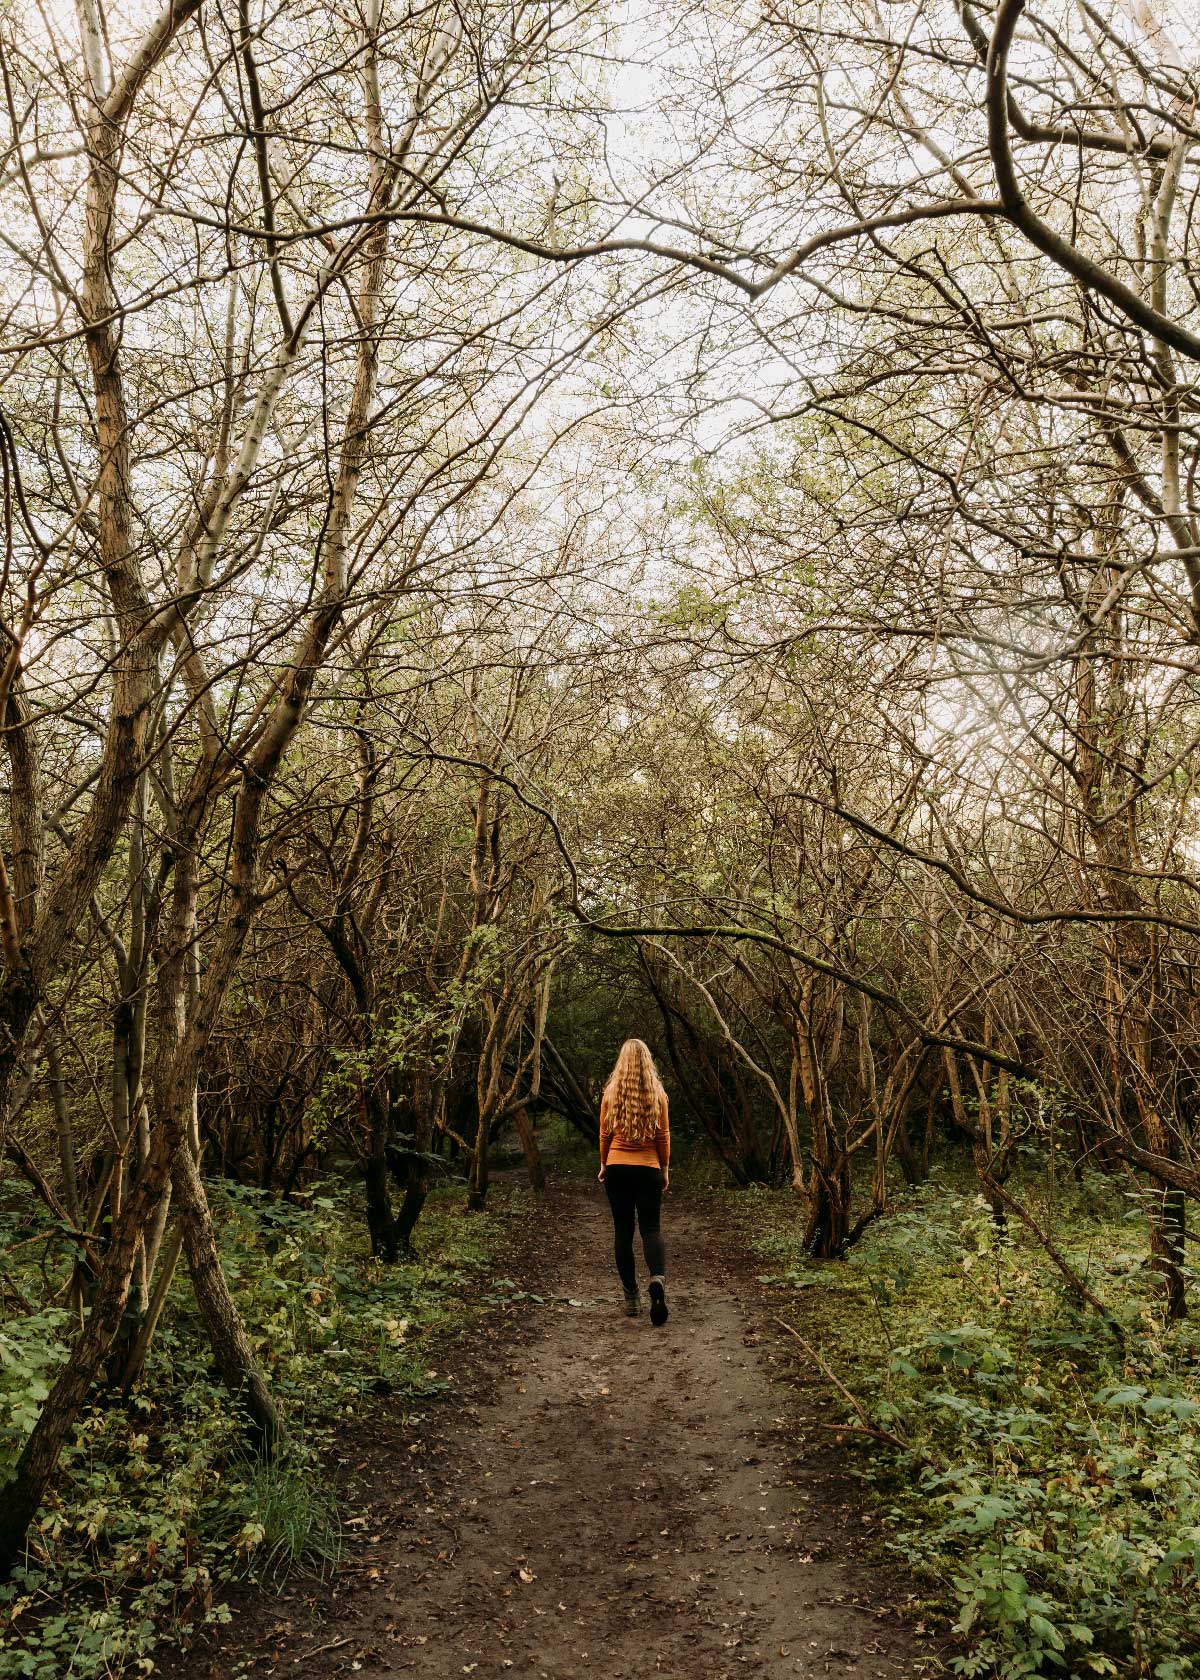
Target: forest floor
(597,1496)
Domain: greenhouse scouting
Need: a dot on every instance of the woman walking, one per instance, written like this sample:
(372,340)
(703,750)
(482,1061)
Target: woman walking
(635,1154)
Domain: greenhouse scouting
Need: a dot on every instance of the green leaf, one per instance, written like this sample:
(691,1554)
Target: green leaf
(1047,1631)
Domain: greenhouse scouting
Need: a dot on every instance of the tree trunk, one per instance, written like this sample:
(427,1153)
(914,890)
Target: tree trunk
(227,1337)
(416,1191)
(529,1147)
(828,1193)
(381,1227)
(428,1096)
(827,1189)
(911,1164)
(927,1136)
(1168,1227)
(68,1166)
(477,1180)
(39,1457)
(158,1300)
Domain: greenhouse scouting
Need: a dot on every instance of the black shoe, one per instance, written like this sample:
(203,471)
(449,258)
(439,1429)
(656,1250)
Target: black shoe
(633,1306)
(658,1303)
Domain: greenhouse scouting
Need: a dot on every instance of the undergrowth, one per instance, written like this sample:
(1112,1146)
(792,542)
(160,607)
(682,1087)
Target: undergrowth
(157,1507)
(1047,1481)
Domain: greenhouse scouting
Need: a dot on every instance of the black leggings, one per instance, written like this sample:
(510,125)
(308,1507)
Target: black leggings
(635,1193)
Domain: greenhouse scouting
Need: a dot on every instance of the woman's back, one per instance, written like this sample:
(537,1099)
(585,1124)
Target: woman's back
(635,1154)
(635,1150)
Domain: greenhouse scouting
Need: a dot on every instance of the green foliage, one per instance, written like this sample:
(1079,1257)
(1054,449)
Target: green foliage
(122,1549)
(1052,1482)
(417,1032)
(157,1507)
(31,1349)
(693,608)
(288,1516)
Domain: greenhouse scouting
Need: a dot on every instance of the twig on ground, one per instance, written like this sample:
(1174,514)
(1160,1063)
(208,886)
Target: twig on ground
(332,1645)
(868,1428)
(1064,1265)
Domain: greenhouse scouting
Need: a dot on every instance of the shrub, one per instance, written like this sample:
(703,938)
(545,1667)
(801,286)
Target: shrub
(157,1506)
(1051,1488)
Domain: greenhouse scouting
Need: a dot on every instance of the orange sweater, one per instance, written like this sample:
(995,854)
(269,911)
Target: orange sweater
(614,1151)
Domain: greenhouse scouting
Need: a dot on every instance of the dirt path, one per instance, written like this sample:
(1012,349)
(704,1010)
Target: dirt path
(626,1502)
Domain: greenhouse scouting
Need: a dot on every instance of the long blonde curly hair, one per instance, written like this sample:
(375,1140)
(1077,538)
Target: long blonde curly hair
(634,1093)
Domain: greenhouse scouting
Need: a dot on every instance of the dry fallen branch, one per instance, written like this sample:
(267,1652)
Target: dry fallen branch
(866,1426)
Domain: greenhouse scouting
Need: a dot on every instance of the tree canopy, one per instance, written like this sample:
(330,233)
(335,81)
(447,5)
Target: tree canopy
(531,522)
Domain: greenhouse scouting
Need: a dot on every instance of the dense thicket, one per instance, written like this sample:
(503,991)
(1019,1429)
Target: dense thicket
(525,523)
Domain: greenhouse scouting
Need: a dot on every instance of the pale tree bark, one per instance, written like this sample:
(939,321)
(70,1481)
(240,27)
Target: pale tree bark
(250,771)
